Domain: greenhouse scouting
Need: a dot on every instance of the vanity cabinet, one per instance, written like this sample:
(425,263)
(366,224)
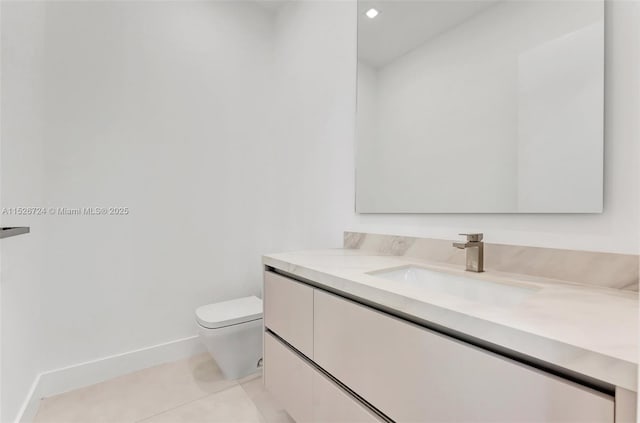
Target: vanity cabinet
(382,365)
(332,404)
(289,379)
(414,375)
(308,395)
(288,311)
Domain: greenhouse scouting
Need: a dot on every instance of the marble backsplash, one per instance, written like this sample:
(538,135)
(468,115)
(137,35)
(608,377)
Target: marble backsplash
(609,270)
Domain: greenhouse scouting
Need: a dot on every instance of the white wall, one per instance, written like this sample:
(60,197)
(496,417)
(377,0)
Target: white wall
(314,121)
(159,107)
(172,109)
(616,229)
(21,182)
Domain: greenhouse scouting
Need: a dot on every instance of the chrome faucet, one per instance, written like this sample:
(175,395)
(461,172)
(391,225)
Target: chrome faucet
(475,252)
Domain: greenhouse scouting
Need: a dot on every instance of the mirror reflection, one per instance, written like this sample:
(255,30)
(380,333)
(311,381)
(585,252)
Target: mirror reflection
(480,106)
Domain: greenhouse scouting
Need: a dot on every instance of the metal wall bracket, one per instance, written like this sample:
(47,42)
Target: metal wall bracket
(7,231)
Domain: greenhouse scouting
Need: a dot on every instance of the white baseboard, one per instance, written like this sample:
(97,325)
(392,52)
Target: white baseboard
(30,405)
(65,379)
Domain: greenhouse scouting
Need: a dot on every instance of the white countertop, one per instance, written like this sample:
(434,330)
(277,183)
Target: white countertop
(589,330)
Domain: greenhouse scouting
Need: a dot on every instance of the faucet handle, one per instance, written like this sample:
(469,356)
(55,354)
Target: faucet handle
(473,237)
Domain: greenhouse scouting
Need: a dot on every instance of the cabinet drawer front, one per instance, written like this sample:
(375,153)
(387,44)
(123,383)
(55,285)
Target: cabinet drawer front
(331,404)
(289,379)
(414,375)
(288,311)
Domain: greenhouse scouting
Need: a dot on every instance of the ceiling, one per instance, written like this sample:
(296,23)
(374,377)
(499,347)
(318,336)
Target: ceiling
(403,25)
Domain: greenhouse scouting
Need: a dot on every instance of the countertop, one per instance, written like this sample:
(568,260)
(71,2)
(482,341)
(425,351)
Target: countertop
(583,329)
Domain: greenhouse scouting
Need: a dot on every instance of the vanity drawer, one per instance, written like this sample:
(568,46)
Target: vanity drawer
(331,404)
(306,393)
(415,375)
(288,311)
(289,379)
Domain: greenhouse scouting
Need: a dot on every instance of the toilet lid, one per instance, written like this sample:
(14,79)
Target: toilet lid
(229,313)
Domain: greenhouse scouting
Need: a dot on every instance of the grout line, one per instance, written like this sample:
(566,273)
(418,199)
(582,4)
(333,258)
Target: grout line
(235,385)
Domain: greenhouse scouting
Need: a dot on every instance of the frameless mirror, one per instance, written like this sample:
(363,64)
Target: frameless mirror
(480,106)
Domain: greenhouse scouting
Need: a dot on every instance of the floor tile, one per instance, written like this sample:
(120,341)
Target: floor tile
(252,376)
(137,395)
(269,408)
(230,406)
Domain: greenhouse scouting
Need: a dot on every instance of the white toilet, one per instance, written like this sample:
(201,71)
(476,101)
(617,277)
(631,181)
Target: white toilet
(232,332)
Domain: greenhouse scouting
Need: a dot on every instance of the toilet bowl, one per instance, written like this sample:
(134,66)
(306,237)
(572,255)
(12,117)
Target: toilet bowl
(232,333)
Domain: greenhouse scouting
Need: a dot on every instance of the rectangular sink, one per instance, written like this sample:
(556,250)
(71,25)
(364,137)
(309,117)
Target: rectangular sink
(476,290)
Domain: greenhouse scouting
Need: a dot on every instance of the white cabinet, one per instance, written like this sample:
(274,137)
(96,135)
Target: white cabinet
(289,379)
(407,372)
(331,404)
(288,311)
(415,375)
(626,406)
(306,394)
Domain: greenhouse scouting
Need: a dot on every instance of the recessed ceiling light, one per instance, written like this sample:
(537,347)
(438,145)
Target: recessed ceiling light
(372,13)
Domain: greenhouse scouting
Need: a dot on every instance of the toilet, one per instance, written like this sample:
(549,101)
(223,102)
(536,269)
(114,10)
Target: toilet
(232,333)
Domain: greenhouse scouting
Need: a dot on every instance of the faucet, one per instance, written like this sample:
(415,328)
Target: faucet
(475,252)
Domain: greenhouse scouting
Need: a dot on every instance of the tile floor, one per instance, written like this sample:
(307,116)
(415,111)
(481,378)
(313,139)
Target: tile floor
(186,391)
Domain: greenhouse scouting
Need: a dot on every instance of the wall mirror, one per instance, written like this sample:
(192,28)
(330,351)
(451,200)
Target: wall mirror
(480,106)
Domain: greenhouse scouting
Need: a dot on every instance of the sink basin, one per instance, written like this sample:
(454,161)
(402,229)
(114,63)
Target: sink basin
(476,290)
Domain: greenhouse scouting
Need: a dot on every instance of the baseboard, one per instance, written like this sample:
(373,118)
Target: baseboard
(68,378)
(30,405)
